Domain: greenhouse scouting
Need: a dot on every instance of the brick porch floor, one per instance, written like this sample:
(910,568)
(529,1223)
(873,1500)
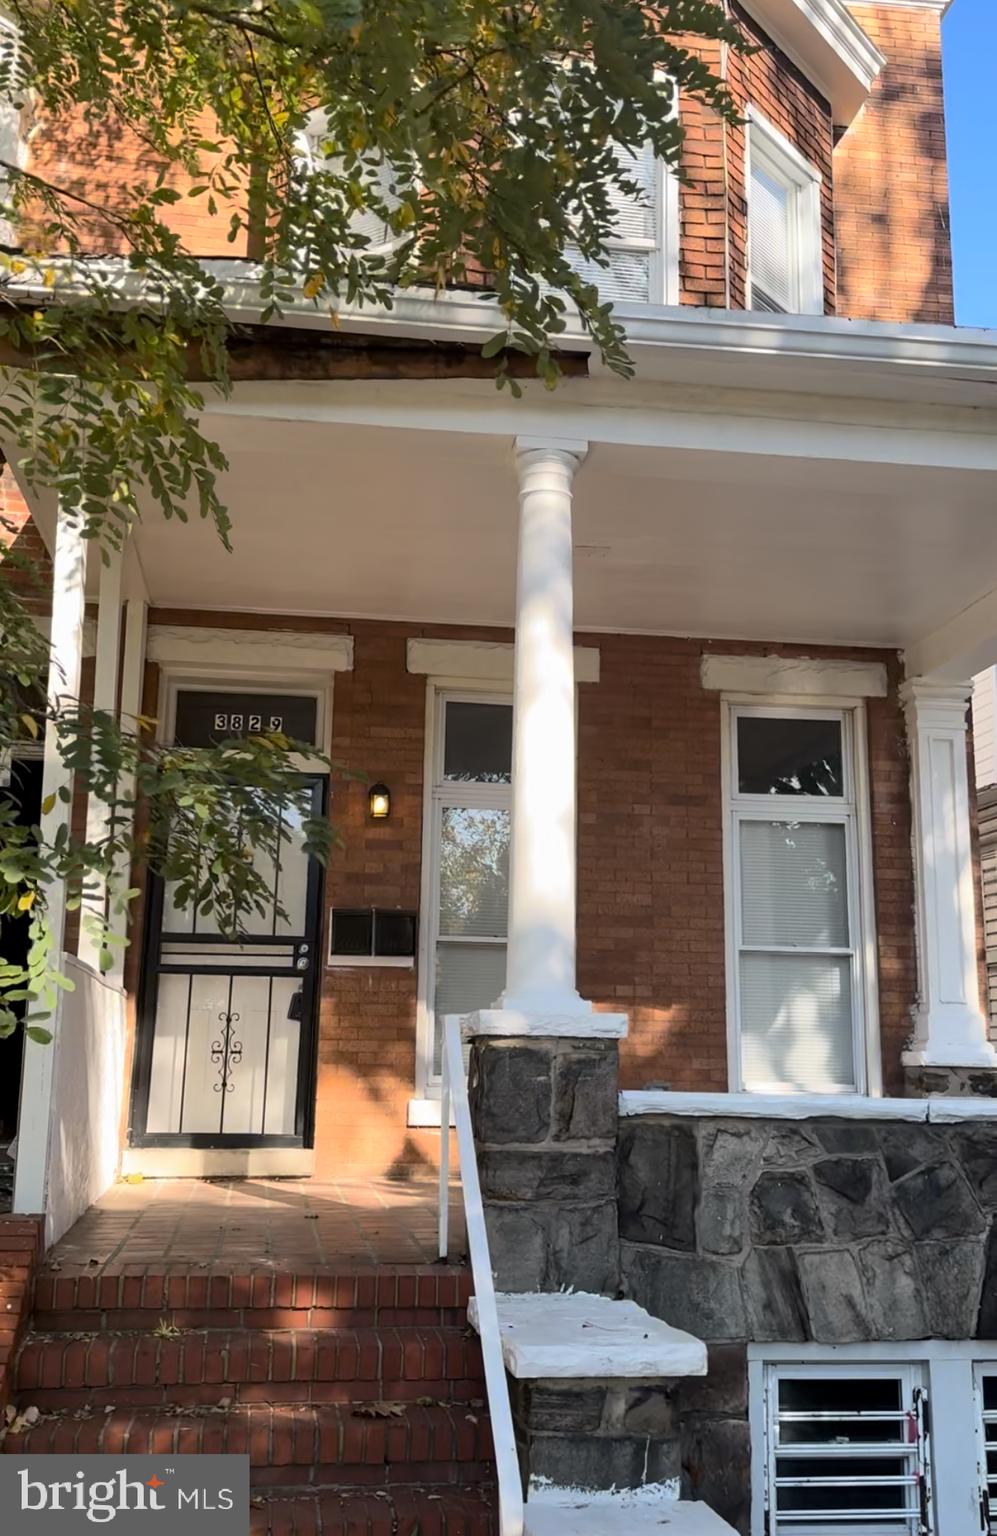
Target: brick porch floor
(163,1224)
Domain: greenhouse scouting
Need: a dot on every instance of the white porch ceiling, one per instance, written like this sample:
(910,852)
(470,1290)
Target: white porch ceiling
(358,521)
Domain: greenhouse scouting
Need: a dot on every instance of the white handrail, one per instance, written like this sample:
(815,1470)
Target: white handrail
(454,1086)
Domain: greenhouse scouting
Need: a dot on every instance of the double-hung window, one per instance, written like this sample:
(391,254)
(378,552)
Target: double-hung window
(785,258)
(471,814)
(845,1450)
(795,953)
(642,254)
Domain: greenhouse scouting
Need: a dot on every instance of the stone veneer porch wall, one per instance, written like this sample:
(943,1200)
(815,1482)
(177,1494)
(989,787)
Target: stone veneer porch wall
(825,1231)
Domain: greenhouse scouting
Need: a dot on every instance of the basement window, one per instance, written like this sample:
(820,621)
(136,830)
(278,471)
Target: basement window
(785,256)
(986,1399)
(845,1450)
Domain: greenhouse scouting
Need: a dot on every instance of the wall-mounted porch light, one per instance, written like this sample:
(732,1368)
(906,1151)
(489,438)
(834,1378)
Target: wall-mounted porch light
(379,801)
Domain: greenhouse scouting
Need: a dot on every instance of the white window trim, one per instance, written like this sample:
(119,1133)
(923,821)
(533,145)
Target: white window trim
(424,1108)
(862,916)
(764,144)
(174,679)
(951,1368)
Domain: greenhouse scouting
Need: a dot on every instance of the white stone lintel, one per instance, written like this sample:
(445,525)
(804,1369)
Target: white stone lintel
(487,661)
(189,645)
(512,1022)
(794,676)
(575,1336)
(804,1106)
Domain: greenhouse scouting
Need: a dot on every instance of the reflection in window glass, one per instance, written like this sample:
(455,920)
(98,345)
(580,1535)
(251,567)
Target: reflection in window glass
(478,743)
(789,756)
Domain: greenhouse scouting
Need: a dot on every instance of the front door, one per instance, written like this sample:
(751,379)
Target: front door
(227,1030)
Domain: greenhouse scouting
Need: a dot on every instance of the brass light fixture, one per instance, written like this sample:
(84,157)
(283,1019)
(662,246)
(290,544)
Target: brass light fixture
(379,801)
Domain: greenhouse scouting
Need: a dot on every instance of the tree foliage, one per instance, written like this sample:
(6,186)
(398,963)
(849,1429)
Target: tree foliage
(350,149)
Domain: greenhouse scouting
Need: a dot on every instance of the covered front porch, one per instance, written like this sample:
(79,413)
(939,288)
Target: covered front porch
(729,542)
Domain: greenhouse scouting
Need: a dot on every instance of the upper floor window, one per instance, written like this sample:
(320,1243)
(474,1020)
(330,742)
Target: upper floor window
(643,253)
(785,259)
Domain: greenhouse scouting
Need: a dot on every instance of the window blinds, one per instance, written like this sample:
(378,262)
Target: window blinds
(634,253)
(772,216)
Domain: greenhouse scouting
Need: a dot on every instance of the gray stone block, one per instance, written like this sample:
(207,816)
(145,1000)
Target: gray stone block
(951,1280)
(784,1209)
(846,1136)
(658,1181)
(832,1290)
(852,1195)
(977,1148)
(548,1405)
(937,1202)
(788,1144)
(729,1156)
(716,1467)
(551,1247)
(649,1410)
(510,1092)
(906,1147)
(546,1175)
(986,1327)
(722,1392)
(586,1094)
(601,1461)
(702,1295)
(519,1243)
(721,1220)
(894,1303)
(773,1299)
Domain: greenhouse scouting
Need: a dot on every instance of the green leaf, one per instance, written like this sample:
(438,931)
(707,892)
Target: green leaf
(37,1034)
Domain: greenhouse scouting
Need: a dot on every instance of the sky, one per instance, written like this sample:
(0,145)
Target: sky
(969,34)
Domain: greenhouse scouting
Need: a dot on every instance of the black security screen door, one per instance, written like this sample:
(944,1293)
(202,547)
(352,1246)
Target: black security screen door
(227,1030)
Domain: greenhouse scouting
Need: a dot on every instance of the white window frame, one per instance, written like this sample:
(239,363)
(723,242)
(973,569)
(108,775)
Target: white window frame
(911,1373)
(772,152)
(951,1370)
(663,248)
(851,811)
(982,1368)
(437,793)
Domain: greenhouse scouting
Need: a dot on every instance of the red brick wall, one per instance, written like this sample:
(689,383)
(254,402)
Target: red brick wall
(20,1250)
(891,181)
(651,911)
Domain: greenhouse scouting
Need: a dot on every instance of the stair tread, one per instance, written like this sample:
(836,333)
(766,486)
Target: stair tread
(278,1437)
(402,1512)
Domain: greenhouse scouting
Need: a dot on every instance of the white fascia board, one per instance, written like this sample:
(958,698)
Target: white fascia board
(897,360)
(484,660)
(177,645)
(797,677)
(827,43)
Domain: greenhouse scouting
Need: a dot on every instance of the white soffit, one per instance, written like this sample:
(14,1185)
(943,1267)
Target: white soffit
(178,645)
(485,661)
(799,677)
(828,45)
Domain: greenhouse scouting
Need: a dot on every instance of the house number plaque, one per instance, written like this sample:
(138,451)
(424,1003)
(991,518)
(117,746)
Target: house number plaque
(207,716)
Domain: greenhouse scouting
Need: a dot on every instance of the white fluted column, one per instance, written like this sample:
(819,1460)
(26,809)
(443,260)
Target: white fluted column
(541,996)
(950,1029)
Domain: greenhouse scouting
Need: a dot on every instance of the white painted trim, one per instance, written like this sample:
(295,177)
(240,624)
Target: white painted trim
(511,1023)
(953,1443)
(764,144)
(576,1336)
(107,666)
(827,43)
(243,650)
(354,962)
(219,1162)
(426,1114)
(852,811)
(803,1106)
(484,661)
(794,677)
(249,679)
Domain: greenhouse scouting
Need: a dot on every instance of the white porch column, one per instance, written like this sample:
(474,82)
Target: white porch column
(105,699)
(65,660)
(950,1029)
(541,996)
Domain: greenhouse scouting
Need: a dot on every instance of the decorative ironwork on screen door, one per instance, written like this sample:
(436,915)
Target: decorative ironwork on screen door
(226,1039)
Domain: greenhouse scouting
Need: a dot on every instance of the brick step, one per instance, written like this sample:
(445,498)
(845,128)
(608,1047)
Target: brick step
(249,1365)
(255,1297)
(401,1513)
(292,1447)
